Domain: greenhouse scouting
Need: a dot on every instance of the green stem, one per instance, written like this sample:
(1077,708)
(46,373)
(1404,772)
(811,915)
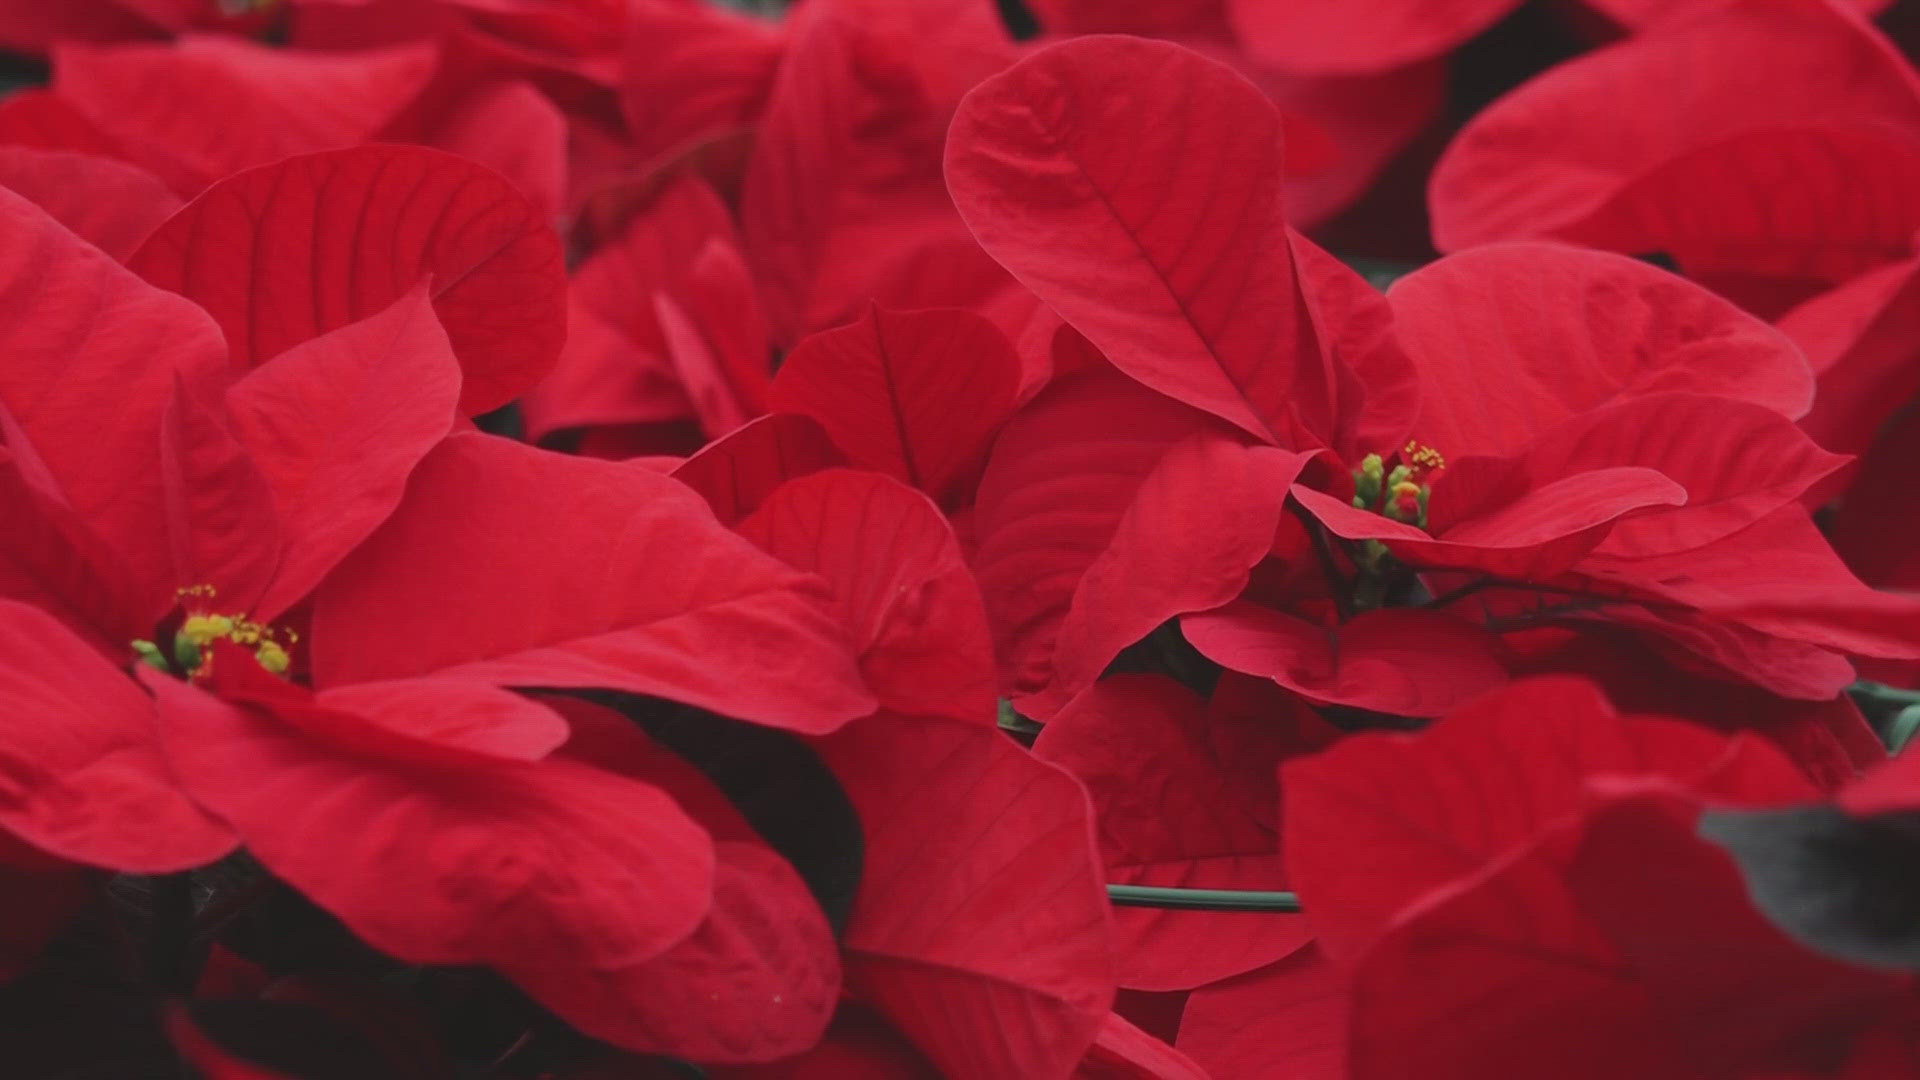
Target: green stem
(1170,899)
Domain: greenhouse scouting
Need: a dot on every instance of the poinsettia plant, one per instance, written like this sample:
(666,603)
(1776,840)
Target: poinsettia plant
(898,539)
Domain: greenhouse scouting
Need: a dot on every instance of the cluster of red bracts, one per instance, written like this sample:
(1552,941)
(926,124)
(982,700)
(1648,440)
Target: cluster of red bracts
(943,479)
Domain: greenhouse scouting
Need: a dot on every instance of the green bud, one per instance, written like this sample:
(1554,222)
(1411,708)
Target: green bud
(186,652)
(150,654)
(1367,481)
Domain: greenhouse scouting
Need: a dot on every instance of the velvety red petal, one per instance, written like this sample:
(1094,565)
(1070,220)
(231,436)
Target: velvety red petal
(108,203)
(336,425)
(1121,1051)
(843,192)
(101,343)
(1511,339)
(1402,661)
(601,378)
(906,596)
(1841,209)
(1543,530)
(1184,798)
(1737,461)
(1364,120)
(521,567)
(858,1046)
(1640,14)
(1060,479)
(1829,740)
(1325,37)
(222,529)
(981,929)
(737,474)
(471,716)
(916,395)
(716,404)
(616,287)
(1434,808)
(517,131)
(566,879)
(1550,153)
(693,71)
(1874,528)
(50,557)
(759,978)
(1146,18)
(1859,339)
(1567,961)
(285,253)
(1379,384)
(207,107)
(84,777)
(1294,1012)
(31,26)
(39,118)
(1780,577)
(1134,186)
(1187,540)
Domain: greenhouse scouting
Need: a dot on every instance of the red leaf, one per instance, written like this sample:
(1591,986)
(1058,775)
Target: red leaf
(1859,339)
(1134,186)
(1187,541)
(906,596)
(83,775)
(1542,159)
(601,378)
(283,254)
(1344,37)
(41,119)
(1403,661)
(1873,532)
(1838,206)
(1294,1012)
(1512,339)
(221,526)
(566,879)
(1121,1051)
(1567,960)
(737,474)
(1379,384)
(842,195)
(1640,14)
(1185,797)
(1779,576)
(101,343)
(692,71)
(109,204)
(1547,526)
(915,395)
(337,424)
(469,716)
(1059,483)
(514,129)
(51,558)
(520,567)
(759,978)
(28,26)
(858,1045)
(981,929)
(663,254)
(1435,808)
(206,107)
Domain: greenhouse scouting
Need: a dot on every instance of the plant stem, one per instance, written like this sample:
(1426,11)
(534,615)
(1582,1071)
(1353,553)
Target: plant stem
(1171,899)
